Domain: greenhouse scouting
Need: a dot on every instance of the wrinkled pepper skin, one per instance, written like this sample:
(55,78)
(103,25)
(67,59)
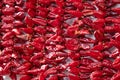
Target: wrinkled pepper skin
(60,39)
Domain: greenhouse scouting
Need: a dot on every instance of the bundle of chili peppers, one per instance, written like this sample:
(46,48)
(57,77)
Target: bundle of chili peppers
(60,39)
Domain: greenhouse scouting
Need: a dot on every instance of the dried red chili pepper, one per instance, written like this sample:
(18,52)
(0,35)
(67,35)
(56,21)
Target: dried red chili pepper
(25,77)
(53,77)
(74,70)
(31,12)
(60,39)
(8,35)
(7,26)
(41,77)
(107,63)
(7,43)
(98,24)
(86,61)
(116,10)
(49,71)
(8,19)
(29,5)
(116,63)
(25,66)
(19,15)
(116,76)
(75,13)
(116,1)
(18,2)
(39,21)
(98,35)
(95,54)
(28,21)
(38,55)
(96,75)
(55,23)
(71,31)
(74,64)
(74,77)
(72,44)
(13,76)
(8,11)
(8,1)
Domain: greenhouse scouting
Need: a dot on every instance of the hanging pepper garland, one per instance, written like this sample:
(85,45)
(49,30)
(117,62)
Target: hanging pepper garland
(60,39)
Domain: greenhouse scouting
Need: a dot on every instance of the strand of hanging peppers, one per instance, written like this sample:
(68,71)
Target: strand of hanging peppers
(60,39)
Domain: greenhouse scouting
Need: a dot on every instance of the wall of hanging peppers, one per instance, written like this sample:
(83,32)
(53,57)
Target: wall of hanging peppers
(60,39)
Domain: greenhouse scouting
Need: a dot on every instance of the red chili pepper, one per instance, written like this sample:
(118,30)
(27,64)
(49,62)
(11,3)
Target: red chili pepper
(60,39)
(98,35)
(96,75)
(10,2)
(7,43)
(1,78)
(42,14)
(31,12)
(18,2)
(7,26)
(8,19)
(86,61)
(95,54)
(38,55)
(25,77)
(18,8)
(47,2)
(60,3)
(116,76)
(116,10)
(50,71)
(29,5)
(39,21)
(53,77)
(74,70)
(13,76)
(74,64)
(116,63)
(20,15)
(74,77)
(55,23)
(27,30)
(75,13)
(71,31)
(8,35)
(116,1)
(7,67)
(99,14)
(29,21)
(34,71)
(78,4)
(84,69)
(41,76)
(98,24)
(72,44)
(8,11)
(25,66)
(98,47)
